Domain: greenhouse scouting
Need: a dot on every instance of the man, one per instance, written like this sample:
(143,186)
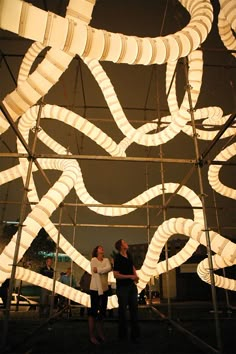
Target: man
(45,295)
(84,286)
(68,279)
(4,289)
(126,290)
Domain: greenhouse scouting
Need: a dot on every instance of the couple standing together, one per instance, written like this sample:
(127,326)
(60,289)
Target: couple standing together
(126,290)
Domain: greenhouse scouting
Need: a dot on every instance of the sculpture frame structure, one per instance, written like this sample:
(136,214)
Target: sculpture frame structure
(21,109)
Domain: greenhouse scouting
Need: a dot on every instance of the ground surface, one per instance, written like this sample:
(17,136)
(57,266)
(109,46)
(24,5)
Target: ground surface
(191,329)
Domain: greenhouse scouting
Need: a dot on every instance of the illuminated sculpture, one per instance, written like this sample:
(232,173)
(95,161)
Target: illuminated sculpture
(72,36)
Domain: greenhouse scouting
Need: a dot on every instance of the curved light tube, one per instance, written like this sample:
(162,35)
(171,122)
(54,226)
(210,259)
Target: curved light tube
(220,281)
(71,36)
(32,87)
(179,119)
(220,245)
(214,171)
(78,38)
(227,24)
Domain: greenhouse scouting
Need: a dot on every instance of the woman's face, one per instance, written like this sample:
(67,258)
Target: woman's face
(100,251)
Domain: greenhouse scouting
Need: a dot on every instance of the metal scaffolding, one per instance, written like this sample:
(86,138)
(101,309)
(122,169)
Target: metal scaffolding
(195,165)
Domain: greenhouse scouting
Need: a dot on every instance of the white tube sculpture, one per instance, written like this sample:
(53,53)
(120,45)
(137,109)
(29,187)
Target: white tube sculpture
(72,36)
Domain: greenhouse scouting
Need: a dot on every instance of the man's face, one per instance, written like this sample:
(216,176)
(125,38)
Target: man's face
(49,262)
(124,245)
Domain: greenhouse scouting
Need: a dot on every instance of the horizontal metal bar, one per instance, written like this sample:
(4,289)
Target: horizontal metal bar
(100,158)
(113,158)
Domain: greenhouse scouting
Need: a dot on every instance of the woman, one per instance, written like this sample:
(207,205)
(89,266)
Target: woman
(100,267)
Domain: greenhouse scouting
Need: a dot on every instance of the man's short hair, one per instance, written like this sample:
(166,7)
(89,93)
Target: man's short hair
(118,244)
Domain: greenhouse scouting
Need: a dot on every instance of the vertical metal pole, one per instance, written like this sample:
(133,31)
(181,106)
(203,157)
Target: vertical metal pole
(202,197)
(19,233)
(56,260)
(148,227)
(219,231)
(164,212)
(166,244)
(73,243)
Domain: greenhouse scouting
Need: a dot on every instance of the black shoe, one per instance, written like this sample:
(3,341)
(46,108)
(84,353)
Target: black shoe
(135,337)
(123,338)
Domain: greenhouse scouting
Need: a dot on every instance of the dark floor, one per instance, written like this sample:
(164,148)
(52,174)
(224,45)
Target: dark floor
(191,329)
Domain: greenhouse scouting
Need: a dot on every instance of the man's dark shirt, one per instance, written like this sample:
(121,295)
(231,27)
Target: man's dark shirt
(123,265)
(48,272)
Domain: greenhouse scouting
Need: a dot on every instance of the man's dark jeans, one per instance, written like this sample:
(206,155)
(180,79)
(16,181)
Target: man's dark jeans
(127,298)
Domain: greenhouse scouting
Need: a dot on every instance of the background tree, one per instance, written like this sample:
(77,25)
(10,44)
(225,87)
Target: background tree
(41,245)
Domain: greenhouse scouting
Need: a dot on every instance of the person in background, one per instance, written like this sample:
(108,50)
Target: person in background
(45,294)
(4,290)
(126,290)
(84,287)
(67,279)
(100,267)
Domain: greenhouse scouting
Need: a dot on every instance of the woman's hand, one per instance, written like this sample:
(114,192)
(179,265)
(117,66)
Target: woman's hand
(135,278)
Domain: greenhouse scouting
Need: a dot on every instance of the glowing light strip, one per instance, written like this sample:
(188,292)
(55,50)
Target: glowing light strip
(214,171)
(72,36)
(54,31)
